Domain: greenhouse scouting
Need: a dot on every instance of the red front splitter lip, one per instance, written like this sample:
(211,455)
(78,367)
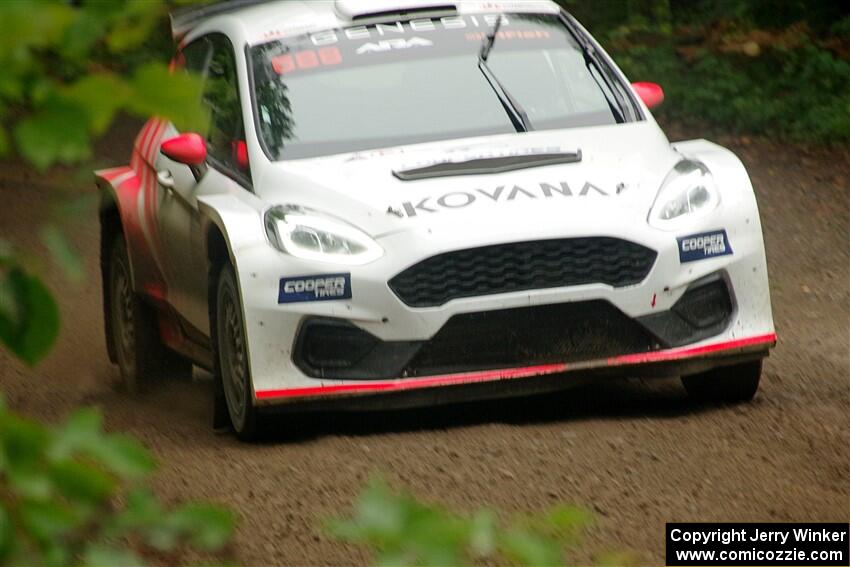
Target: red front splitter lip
(401,384)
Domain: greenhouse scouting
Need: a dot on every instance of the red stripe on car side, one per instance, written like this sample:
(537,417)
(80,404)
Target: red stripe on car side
(140,147)
(511,373)
(153,146)
(112,173)
(152,195)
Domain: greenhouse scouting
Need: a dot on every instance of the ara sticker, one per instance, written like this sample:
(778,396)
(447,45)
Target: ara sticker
(323,287)
(703,245)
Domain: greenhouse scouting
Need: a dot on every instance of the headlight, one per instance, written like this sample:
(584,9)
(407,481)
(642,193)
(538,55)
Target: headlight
(688,192)
(305,234)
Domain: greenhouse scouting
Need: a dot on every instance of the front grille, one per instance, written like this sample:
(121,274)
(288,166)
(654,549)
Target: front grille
(564,332)
(520,266)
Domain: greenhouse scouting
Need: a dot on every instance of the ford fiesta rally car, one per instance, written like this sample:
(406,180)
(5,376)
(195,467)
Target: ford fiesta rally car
(408,202)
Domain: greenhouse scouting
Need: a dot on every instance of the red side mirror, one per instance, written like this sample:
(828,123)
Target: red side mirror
(189,149)
(650,93)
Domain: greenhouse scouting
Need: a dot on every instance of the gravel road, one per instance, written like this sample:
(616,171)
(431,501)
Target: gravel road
(637,454)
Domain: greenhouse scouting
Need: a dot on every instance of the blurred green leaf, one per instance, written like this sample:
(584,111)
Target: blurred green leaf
(46,520)
(105,556)
(123,455)
(69,508)
(81,430)
(618,559)
(83,434)
(531,549)
(162,536)
(32,23)
(55,554)
(66,493)
(29,481)
(483,534)
(100,96)
(56,134)
(81,482)
(11,85)
(400,529)
(31,328)
(395,559)
(62,252)
(84,424)
(6,253)
(135,26)
(568,518)
(142,509)
(22,442)
(7,534)
(180,102)
(82,34)
(10,309)
(4,142)
(403,531)
(141,513)
(209,527)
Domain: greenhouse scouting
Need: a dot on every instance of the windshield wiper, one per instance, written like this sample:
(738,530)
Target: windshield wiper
(518,116)
(589,54)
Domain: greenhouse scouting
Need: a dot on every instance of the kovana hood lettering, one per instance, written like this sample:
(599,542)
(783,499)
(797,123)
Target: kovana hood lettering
(501,193)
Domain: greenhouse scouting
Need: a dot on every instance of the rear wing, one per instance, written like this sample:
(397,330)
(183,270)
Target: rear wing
(183,20)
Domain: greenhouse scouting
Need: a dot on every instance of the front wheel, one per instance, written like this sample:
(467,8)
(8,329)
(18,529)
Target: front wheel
(232,357)
(726,384)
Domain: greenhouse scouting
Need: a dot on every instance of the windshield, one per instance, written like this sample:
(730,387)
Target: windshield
(383,85)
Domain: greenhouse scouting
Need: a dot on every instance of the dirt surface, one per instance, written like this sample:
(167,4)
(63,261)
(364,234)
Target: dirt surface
(637,454)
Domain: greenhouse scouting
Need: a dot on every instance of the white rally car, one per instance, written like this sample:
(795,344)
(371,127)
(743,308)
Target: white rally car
(409,202)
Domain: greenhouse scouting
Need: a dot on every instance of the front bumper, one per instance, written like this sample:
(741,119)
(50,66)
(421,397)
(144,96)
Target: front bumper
(335,349)
(273,329)
(488,384)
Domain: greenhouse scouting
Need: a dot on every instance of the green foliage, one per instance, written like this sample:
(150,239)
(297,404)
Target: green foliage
(62,252)
(67,72)
(748,66)
(72,495)
(29,316)
(400,530)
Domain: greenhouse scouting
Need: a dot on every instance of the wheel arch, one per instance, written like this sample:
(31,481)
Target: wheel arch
(228,225)
(111,225)
(218,252)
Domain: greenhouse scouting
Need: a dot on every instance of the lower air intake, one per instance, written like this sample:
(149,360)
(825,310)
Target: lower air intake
(565,332)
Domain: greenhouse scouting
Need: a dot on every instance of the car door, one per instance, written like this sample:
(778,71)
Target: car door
(180,220)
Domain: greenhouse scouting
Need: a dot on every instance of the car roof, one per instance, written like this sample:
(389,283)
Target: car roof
(260,21)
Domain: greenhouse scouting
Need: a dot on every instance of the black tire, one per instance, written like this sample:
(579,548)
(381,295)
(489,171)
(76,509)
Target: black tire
(232,367)
(139,351)
(726,384)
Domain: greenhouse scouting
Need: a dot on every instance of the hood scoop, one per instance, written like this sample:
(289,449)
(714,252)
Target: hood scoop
(486,165)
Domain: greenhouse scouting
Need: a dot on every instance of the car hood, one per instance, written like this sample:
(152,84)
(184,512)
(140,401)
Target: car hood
(621,168)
